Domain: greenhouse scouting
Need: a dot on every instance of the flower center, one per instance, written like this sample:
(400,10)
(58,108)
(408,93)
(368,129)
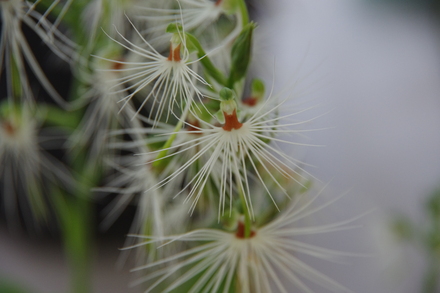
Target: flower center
(9,128)
(116,65)
(250,101)
(174,53)
(193,126)
(240,231)
(231,121)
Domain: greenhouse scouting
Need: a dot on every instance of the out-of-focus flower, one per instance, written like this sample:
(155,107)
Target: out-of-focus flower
(220,261)
(198,16)
(110,15)
(169,80)
(234,149)
(15,52)
(103,113)
(26,170)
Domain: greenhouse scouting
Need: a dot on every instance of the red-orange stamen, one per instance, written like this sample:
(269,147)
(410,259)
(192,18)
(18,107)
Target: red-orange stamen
(117,65)
(231,121)
(241,230)
(174,54)
(250,101)
(9,128)
(194,126)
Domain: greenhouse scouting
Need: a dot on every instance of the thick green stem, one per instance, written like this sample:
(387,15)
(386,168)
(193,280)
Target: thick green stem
(74,217)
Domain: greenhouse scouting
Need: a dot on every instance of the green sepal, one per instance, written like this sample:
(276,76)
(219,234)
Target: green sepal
(241,55)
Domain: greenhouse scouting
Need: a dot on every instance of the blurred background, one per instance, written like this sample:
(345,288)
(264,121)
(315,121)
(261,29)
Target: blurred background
(375,66)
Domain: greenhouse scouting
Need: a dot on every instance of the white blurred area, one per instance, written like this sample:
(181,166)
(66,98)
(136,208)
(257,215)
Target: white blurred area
(376,67)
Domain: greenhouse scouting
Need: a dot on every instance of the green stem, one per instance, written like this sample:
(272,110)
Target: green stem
(169,142)
(243,12)
(210,68)
(15,81)
(74,217)
(247,217)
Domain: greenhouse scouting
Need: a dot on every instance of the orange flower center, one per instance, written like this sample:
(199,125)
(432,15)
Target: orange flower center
(250,101)
(174,54)
(231,121)
(241,230)
(9,128)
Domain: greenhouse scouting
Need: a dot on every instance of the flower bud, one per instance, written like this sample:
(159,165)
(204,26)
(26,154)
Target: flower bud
(241,54)
(227,104)
(257,89)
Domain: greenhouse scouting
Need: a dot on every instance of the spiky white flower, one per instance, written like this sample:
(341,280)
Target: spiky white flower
(154,211)
(234,149)
(137,176)
(219,261)
(103,113)
(15,51)
(25,168)
(169,80)
(151,216)
(212,22)
(197,15)
(110,14)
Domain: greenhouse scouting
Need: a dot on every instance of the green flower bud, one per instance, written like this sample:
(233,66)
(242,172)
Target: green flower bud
(241,54)
(174,28)
(257,89)
(226,94)
(227,104)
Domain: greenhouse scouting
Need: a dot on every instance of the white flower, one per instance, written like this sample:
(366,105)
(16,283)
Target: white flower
(215,23)
(15,51)
(103,113)
(234,149)
(151,216)
(138,176)
(109,14)
(219,261)
(197,15)
(25,168)
(169,80)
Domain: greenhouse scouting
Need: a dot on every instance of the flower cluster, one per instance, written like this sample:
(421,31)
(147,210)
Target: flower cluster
(164,115)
